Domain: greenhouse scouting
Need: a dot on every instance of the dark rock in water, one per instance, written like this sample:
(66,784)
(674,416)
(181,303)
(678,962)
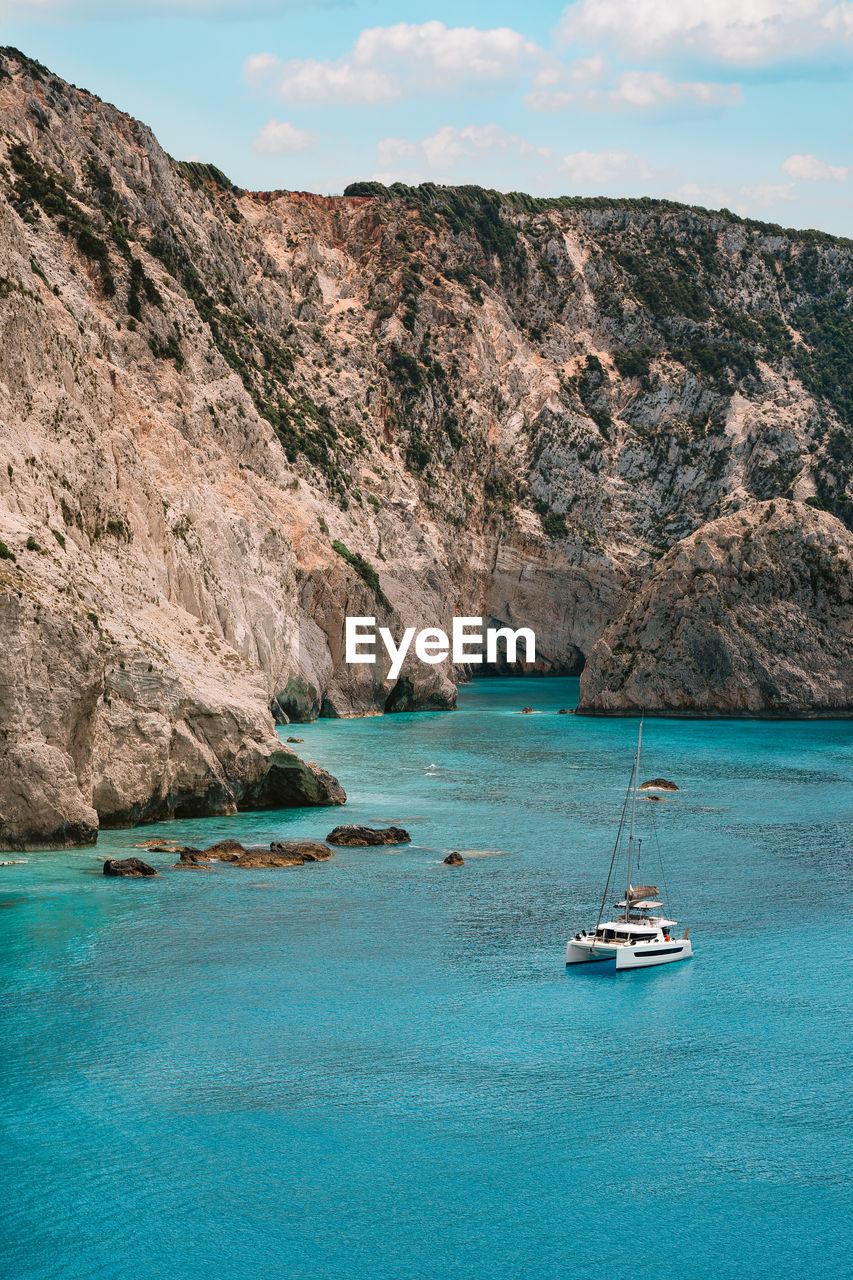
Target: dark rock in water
(660,799)
(526,711)
(290,781)
(284,853)
(307,850)
(292,739)
(189,859)
(662,784)
(127,867)
(225,850)
(564,711)
(355,835)
(188,853)
(454,859)
(432,692)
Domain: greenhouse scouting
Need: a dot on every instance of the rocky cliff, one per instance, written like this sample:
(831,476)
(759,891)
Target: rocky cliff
(229,419)
(752,615)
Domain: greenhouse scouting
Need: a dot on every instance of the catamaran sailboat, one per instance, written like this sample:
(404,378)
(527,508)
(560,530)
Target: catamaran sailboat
(642,935)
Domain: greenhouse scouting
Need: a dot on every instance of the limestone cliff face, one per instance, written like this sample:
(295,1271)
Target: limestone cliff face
(229,419)
(752,616)
(107,728)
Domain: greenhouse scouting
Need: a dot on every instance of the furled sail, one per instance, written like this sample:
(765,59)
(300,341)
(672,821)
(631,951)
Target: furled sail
(640,891)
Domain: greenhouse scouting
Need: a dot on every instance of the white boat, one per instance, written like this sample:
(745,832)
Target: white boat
(642,935)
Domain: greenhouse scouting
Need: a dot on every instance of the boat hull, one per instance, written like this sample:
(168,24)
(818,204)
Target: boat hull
(643,956)
(651,953)
(584,954)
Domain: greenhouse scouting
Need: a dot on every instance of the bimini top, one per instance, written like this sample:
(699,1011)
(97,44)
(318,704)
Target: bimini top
(642,905)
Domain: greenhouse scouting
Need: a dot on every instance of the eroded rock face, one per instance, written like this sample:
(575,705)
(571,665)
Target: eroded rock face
(356,836)
(750,616)
(232,419)
(407,694)
(100,732)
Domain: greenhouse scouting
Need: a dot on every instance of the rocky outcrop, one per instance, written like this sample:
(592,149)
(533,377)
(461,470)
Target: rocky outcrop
(231,419)
(751,616)
(284,853)
(356,836)
(454,859)
(109,727)
(661,784)
(224,850)
(128,867)
(423,694)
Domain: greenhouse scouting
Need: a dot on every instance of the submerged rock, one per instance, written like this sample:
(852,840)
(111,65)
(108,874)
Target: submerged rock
(292,739)
(454,859)
(128,867)
(357,836)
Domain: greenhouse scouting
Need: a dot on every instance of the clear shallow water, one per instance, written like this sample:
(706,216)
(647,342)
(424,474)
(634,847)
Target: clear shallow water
(379,1066)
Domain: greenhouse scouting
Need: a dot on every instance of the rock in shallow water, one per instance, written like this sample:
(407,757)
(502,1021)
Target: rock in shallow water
(225,850)
(454,859)
(662,784)
(284,853)
(128,867)
(356,836)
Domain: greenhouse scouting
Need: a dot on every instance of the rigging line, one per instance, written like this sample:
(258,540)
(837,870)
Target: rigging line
(613,858)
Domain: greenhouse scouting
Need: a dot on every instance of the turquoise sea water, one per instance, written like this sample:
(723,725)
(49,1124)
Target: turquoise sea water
(379,1067)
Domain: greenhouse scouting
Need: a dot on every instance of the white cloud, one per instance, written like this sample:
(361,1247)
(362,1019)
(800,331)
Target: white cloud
(739,31)
(386,63)
(768,193)
(308,82)
(280,137)
(580,85)
(809,169)
(601,168)
(443,150)
(652,89)
(709,197)
(493,155)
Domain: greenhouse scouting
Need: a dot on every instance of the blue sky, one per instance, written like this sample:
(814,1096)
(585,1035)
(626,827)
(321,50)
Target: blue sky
(742,103)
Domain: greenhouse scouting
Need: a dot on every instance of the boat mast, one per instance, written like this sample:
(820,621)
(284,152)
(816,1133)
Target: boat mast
(635,778)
